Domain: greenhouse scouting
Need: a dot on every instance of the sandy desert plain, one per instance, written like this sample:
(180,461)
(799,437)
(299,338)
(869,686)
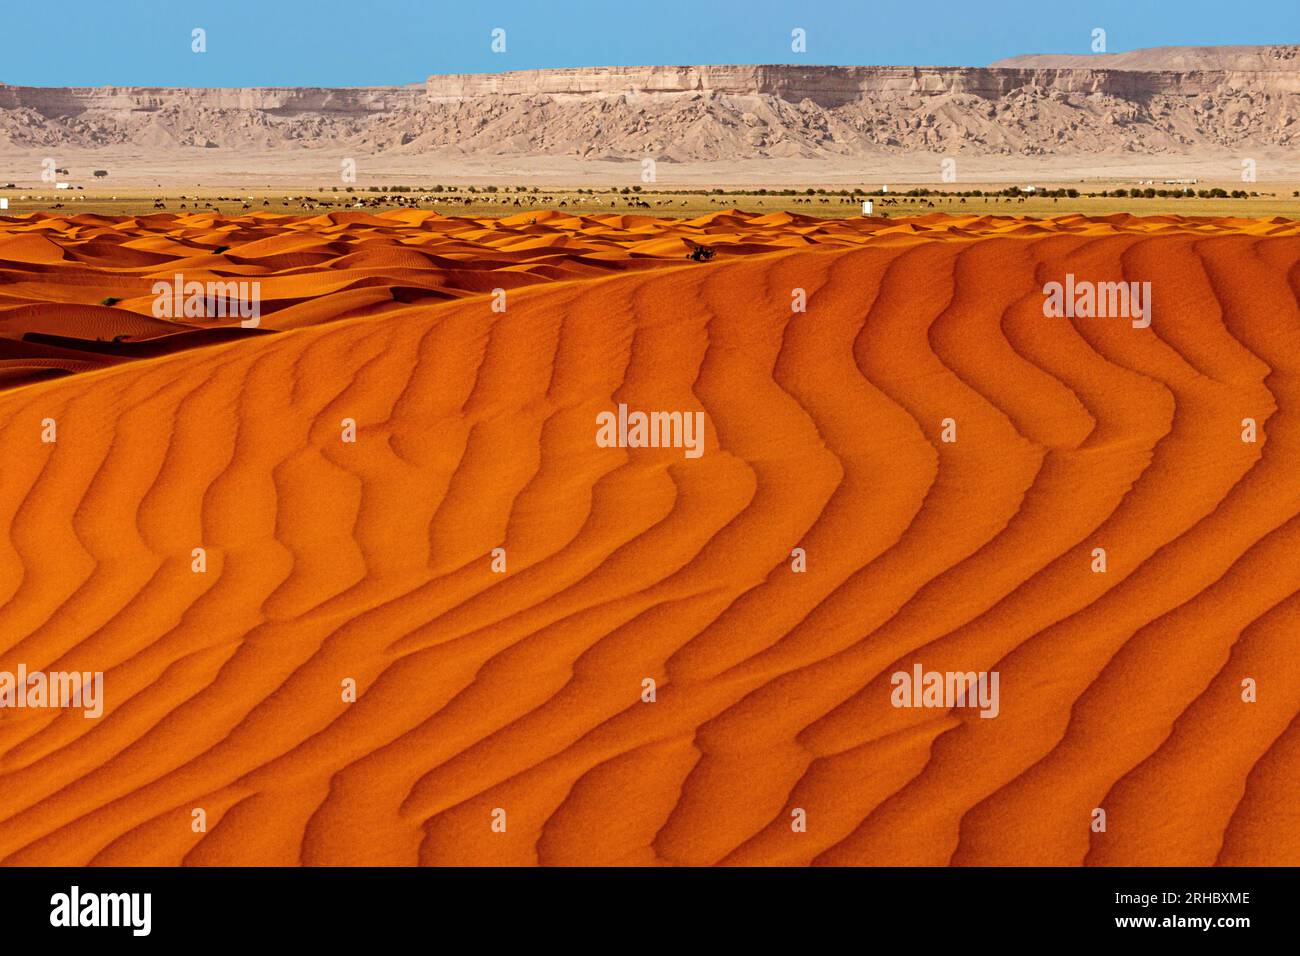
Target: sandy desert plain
(310,181)
(366,585)
(829,202)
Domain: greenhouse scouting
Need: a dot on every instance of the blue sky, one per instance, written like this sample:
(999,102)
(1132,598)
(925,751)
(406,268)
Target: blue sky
(364,42)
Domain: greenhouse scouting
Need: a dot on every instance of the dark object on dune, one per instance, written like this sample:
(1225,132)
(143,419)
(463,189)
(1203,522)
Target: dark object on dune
(109,300)
(700,254)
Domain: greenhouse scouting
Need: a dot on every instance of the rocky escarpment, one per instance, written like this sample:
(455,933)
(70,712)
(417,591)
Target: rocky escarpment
(837,85)
(1244,98)
(88,117)
(730,112)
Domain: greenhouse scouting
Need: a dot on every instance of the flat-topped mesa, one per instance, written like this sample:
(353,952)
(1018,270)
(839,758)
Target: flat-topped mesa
(836,85)
(825,85)
(1167,59)
(71,100)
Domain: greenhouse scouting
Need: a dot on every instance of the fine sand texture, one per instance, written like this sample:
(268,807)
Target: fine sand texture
(508,687)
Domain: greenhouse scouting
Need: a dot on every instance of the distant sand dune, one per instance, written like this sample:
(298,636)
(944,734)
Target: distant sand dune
(521,691)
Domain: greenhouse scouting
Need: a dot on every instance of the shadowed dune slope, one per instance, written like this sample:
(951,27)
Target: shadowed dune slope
(519,689)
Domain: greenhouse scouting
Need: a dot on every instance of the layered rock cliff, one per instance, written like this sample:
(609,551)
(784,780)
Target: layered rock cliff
(836,85)
(1226,99)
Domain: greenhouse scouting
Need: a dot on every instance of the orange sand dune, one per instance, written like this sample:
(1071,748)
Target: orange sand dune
(91,281)
(500,714)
